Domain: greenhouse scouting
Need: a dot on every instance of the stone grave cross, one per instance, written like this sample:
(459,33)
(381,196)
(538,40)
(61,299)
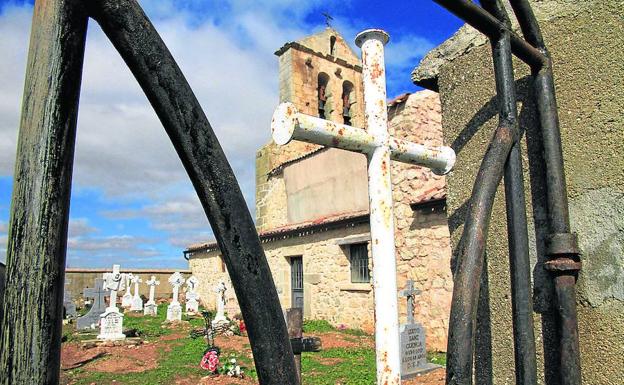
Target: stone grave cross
(220,290)
(377,144)
(150,307)
(126,299)
(410,292)
(174,310)
(114,282)
(68,302)
(192,305)
(111,321)
(92,318)
(137,301)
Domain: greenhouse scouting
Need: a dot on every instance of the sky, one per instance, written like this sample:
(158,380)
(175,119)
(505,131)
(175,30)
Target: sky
(132,202)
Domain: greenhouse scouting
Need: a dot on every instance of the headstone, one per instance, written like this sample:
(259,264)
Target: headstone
(174,310)
(137,301)
(220,317)
(192,305)
(68,302)
(150,307)
(413,347)
(111,321)
(126,300)
(92,319)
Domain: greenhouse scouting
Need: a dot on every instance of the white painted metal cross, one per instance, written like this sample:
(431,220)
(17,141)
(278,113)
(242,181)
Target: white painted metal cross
(380,147)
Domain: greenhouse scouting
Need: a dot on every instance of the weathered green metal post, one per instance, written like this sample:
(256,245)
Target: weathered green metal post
(30,330)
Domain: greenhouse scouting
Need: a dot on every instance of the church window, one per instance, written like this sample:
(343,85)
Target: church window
(323,108)
(358,255)
(332,45)
(347,101)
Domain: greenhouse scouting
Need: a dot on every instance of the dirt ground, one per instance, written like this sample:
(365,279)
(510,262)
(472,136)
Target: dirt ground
(142,357)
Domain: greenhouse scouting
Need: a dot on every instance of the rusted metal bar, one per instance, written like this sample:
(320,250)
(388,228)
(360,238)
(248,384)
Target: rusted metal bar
(562,248)
(487,24)
(294,322)
(132,34)
(520,266)
(470,258)
(30,333)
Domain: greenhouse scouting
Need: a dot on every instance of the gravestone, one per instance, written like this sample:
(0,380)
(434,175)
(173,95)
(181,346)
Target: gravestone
(220,289)
(137,301)
(150,307)
(126,300)
(192,305)
(413,347)
(111,321)
(92,319)
(174,310)
(68,303)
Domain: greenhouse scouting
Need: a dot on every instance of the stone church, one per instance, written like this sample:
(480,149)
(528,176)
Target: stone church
(312,202)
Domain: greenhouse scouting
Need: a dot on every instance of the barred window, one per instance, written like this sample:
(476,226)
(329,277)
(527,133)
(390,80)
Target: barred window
(358,254)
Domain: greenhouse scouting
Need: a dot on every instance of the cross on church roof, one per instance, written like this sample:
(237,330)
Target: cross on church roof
(328,18)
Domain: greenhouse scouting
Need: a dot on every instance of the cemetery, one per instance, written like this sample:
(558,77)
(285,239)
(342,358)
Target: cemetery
(467,232)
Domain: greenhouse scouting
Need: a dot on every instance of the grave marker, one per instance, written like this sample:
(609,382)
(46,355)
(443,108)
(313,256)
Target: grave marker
(137,301)
(220,289)
(174,310)
(150,307)
(192,305)
(126,300)
(92,319)
(413,346)
(111,321)
(68,302)
(380,148)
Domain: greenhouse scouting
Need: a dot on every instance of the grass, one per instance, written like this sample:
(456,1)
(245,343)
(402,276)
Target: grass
(180,358)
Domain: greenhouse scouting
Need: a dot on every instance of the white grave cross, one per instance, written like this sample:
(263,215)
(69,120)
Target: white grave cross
(126,299)
(174,310)
(150,307)
(113,282)
(192,305)
(377,144)
(137,301)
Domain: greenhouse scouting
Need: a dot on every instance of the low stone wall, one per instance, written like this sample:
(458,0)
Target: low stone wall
(77,279)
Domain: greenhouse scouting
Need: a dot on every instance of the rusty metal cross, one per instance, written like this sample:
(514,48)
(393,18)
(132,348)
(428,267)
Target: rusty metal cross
(377,144)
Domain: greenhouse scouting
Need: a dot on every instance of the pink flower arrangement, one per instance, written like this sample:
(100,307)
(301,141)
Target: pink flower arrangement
(210,361)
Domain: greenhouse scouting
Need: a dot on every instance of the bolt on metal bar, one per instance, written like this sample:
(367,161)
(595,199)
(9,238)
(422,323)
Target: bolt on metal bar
(520,265)
(487,24)
(562,249)
(132,34)
(30,330)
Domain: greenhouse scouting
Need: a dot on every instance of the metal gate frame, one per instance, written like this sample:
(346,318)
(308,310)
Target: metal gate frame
(503,158)
(30,329)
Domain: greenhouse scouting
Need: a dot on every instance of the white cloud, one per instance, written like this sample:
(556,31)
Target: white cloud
(225,49)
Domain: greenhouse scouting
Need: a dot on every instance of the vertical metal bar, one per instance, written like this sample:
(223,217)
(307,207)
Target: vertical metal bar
(520,270)
(562,249)
(381,215)
(132,34)
(30,334)
(294,322)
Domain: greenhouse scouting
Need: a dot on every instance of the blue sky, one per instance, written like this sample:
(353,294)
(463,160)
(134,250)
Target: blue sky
(132,202)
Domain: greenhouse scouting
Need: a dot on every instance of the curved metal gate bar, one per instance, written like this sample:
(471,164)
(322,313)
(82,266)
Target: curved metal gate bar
(562,249)
(132,34)
(30,333)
